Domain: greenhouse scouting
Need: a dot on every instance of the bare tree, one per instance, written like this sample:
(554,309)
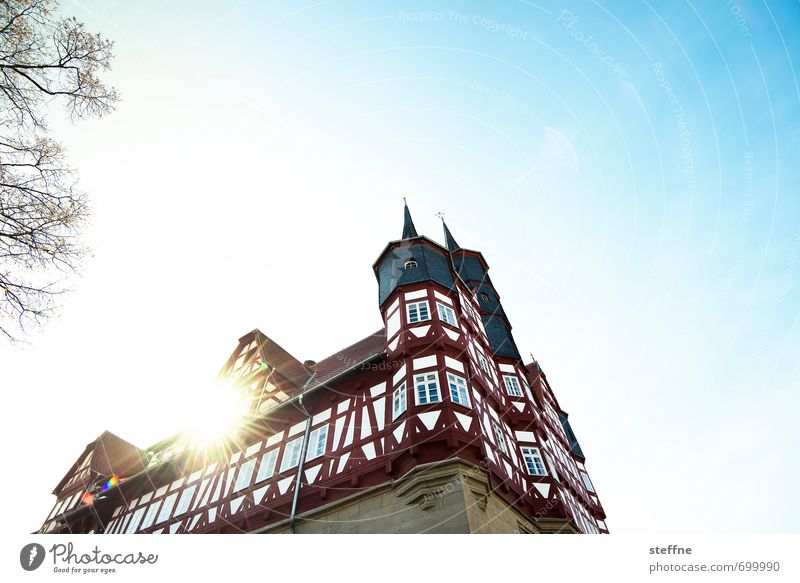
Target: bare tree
(44,60)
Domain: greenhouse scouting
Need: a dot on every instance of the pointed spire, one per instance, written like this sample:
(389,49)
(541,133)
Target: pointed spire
(448,238)
(409,232)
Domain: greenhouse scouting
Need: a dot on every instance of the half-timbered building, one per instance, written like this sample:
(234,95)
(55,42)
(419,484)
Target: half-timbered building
(431,424)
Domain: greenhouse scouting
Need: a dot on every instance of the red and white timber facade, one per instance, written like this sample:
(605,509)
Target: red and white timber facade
(441,381)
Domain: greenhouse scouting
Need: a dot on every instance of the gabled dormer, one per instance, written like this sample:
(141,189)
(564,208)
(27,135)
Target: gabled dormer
(105,456)
(264,374)
(104,463)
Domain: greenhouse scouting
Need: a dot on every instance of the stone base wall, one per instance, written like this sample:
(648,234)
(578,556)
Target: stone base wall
(444,497)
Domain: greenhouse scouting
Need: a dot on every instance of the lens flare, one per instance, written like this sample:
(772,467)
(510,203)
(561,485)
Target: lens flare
(112,481)
(216,412)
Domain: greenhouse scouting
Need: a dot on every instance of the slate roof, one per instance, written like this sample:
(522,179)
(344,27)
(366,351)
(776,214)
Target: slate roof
(409,231)
(449,240)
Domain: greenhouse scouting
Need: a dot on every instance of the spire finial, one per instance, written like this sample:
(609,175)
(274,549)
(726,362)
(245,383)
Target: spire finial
(409,231)
(440,215)
(450,242)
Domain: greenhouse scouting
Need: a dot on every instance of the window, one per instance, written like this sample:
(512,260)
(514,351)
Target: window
(399,404)
(587,482)
(484,363)
(484,297)
(446,314)
(267,467)
(469,309)
(499,437)
(166,510)
(245,473)
(552,467)
(458,390)
(76,500)
(54,512)
(185,500)
(512,386)
(417,312)
(205,490)
(291,456)
(411,264)
(533,461)
(427,389)
(151,515)
(134,523)
(316,442)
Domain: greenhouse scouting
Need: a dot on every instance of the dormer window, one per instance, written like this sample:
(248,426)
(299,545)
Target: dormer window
(411,264)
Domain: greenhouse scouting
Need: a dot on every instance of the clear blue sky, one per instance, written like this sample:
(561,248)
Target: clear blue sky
(630,171)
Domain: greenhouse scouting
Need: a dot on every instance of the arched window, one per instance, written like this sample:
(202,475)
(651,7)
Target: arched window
(411,264)
(484,297)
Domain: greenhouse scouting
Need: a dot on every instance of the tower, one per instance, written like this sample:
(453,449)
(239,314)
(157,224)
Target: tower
(431,424)
(473,270)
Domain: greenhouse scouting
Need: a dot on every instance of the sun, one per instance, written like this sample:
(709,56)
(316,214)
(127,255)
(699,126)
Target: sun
(216,412)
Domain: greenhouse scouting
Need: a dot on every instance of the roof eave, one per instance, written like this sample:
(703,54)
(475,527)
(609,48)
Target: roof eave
(390,244)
